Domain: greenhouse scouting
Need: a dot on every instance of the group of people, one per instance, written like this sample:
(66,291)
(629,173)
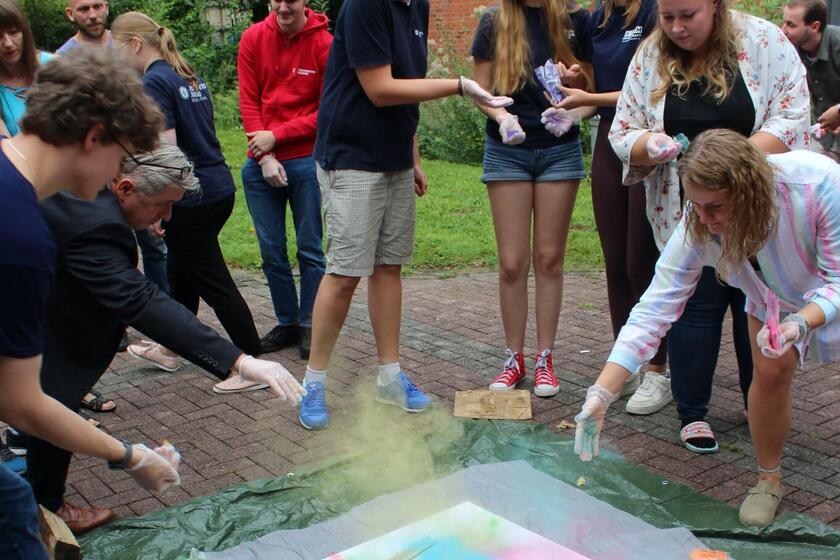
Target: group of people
(705,198)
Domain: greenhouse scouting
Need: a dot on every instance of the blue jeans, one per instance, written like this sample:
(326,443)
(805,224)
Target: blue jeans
(154,259)
(694,344)
(267,206)
(18,519)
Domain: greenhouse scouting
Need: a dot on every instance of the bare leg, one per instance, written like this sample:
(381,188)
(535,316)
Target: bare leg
(328,315)
(385,308)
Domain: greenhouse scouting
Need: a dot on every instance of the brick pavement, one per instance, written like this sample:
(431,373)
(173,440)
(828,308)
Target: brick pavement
(452,339)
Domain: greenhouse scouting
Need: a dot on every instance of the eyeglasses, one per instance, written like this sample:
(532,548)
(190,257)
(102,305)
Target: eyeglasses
(184,171)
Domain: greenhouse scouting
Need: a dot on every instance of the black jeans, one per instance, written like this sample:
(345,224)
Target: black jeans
(694,344)
(197,269)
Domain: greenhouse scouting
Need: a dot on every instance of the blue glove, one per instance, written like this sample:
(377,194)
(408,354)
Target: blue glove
(590,422)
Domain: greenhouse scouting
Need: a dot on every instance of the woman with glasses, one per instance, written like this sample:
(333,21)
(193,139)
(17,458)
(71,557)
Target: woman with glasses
(196,266)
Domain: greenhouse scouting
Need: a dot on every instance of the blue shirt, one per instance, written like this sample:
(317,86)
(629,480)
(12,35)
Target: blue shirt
(352,132)
(190,112)
(13,100)
(529,102)
(611,48)
(27,265)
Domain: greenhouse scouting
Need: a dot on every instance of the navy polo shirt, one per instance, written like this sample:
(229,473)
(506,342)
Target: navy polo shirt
(610,48)
(352,132)
(190,112)
(529,102)
(27,266)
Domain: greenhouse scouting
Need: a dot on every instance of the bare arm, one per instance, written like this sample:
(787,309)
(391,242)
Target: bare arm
(4,131)
(612,377)
(384,90)
(168,136)
(768,143)
(482,74)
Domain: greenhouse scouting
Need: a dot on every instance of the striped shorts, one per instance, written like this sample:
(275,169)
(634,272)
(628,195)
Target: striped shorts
(369,219)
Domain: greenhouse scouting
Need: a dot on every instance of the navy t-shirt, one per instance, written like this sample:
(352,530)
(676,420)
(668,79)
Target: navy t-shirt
(610,48)
(352,132)
(190,112)
(530,102)
(27,266)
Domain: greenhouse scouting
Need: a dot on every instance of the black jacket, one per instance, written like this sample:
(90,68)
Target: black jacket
(98,291)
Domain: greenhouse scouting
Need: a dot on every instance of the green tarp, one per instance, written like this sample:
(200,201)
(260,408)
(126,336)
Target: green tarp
(250,510)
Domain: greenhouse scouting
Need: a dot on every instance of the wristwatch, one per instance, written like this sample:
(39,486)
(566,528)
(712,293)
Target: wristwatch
(800,321)
(126,459)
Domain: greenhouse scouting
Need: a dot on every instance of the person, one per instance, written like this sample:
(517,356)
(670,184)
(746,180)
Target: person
(705,67)
(369,170)
(90,17)
(68,140)
(197,267)
(771,226)
(532,172)
(279,114)
(93,302)
(805,24)
(616,29)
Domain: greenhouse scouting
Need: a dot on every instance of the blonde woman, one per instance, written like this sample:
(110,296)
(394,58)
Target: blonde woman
(705,67)
(197,268)
(532,171)
(769,225)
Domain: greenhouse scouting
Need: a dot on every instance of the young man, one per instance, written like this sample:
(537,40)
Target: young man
(369,171)
(70,139)
(279,113)
(98,290)
(90,18)
(805,24)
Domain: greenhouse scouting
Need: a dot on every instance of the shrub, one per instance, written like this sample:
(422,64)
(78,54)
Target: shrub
(49,26)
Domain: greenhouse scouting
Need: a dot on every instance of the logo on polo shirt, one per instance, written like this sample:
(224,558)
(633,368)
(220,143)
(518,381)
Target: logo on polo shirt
(418,33)
(185,93)
(632,34)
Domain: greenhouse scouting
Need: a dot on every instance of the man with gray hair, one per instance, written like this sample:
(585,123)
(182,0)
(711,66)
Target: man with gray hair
(98,290)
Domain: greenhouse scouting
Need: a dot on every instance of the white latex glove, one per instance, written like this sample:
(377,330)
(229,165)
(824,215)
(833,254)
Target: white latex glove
(470,88)
(661,148)
(157,469)
(511,131)
(559,121)
(279,380)
(789,334)
(590,421)
(273,172)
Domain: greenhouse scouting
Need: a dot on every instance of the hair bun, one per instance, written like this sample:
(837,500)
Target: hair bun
(160,31)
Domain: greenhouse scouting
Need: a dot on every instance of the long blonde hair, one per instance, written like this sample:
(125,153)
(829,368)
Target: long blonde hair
(136,24)
(511,65)
(723,160)
(631,10)
(718,66)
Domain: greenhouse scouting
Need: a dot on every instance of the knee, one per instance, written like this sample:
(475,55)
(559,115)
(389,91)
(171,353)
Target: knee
(512,269)
(342,287)
(773,378)
(549,263)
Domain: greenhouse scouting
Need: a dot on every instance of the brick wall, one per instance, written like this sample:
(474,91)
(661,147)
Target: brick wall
(454,19)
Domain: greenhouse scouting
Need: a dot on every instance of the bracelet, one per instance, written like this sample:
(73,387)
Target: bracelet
(800,322)
(126,459)
(461,86)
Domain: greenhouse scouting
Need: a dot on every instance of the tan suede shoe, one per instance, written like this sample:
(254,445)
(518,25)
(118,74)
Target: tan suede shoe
(759,507)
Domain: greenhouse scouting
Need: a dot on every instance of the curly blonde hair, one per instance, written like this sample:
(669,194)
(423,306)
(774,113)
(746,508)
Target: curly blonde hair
(511,66)
(723,160)
(718,66)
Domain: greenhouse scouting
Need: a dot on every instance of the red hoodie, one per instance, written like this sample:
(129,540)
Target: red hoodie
(280,82)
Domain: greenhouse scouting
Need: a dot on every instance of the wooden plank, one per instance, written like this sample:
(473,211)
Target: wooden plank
(496,405)
(60,542)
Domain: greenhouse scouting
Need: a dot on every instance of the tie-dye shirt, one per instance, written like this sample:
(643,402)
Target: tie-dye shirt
(775,78)
(800,263)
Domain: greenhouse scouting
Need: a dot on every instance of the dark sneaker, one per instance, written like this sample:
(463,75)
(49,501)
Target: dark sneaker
(313,413)
(16,441)
(279,338)
(305,342)
(403,393)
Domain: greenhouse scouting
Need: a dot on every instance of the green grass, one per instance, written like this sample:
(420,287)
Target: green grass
(454,228)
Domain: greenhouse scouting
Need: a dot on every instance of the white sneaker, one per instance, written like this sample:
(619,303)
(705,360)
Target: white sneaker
(652,395)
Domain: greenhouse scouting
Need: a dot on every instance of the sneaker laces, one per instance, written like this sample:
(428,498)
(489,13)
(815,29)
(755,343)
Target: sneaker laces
(6,454)
(315,395)
(409,386)
(511,371)
(650,383)
(543,370)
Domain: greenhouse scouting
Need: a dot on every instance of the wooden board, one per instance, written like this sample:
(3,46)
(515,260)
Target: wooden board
(60,542)
(497,405)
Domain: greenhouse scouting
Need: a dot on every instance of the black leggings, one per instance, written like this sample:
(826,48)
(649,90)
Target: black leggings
(197,269)
(630,251)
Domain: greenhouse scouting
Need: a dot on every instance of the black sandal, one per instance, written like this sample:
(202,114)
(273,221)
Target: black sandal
(86,415)
(97,402)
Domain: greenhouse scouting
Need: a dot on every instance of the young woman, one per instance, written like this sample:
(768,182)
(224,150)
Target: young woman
(532,171)
(616,29)
(705,67)
(769,225)
(196,266)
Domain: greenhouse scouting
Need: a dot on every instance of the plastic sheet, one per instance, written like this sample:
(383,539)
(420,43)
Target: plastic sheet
(248,511)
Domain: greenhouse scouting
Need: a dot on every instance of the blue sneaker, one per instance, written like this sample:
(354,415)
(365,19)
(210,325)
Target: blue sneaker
(403,393)
(12,461)
(313,407)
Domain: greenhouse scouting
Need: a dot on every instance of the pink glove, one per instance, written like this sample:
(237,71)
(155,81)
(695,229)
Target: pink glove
(511,131)
(792,330)
(559,121)
(156,470)
(273,172)
(817,131)
(661,148)
(470,88)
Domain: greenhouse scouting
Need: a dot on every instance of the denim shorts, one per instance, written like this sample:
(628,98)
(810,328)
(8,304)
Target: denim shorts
(562,162)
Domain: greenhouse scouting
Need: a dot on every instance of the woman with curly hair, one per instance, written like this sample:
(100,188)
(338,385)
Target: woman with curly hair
(532,170)
(770,226)
(704,67)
